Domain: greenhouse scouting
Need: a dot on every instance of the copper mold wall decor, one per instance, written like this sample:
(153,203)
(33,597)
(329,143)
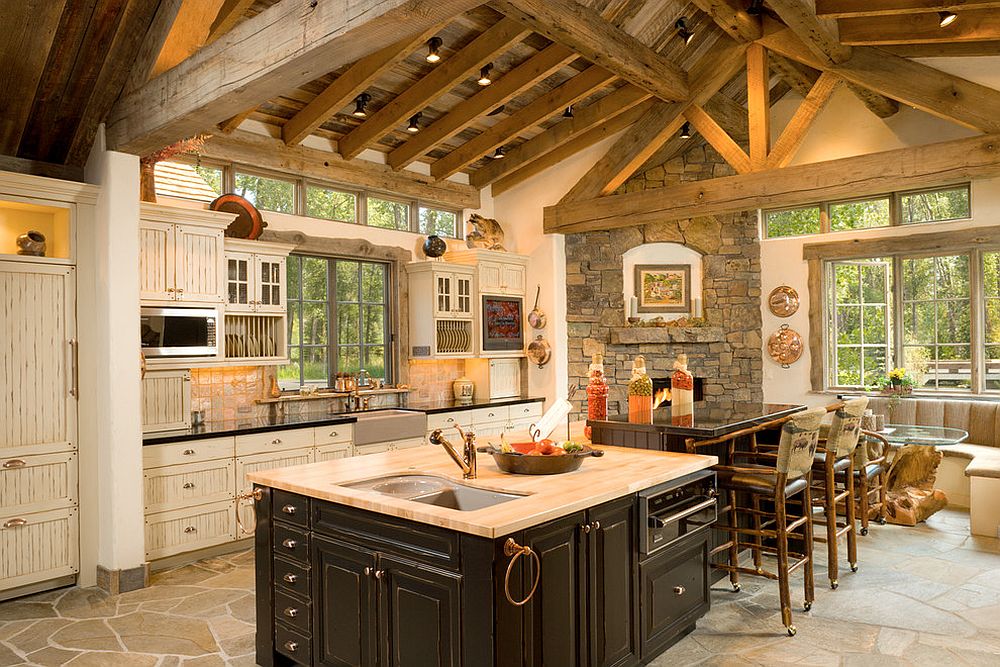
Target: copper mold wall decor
(783,301)
(785,346)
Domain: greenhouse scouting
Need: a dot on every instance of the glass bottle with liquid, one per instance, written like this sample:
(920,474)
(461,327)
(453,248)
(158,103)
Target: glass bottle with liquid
(640,393)
(597,392)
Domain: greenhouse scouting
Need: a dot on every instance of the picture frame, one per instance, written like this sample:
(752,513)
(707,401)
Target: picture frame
(663,288)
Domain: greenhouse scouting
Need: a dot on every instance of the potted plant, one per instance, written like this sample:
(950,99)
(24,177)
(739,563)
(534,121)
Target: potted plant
(896,384)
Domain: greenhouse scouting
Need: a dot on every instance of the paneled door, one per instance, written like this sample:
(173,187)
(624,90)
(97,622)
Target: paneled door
(156,261)
(198,271)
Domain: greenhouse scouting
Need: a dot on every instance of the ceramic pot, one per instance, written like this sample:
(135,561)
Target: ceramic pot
(464,389)
(31,243)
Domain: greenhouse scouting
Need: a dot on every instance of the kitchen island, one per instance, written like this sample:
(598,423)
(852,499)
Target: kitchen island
(351,576)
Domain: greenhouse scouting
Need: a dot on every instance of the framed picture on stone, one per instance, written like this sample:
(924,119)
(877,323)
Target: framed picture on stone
(663,288)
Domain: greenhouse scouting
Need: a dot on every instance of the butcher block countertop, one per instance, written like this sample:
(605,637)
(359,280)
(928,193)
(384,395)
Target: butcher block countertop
(620,472)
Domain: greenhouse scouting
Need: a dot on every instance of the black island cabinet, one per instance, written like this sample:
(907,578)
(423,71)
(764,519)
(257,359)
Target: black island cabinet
(340,586)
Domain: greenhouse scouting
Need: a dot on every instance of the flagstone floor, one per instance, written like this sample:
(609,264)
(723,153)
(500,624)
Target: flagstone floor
(923,596)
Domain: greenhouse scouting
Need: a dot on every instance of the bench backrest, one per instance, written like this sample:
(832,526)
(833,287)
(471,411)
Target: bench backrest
(980,418)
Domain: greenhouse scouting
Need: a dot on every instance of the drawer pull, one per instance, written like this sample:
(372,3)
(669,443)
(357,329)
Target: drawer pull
(333,434)
(289,543)
(15,523)
(596,525)
(490,415)
(679,590)
(14,463)
(288,509)
(291,612)
(290,578)
(188,452)
(276,441)
(188,485)
(291,646)
(190,529)
(586,528)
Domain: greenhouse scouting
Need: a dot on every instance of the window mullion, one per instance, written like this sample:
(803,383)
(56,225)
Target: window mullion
(977,321)
(332,324)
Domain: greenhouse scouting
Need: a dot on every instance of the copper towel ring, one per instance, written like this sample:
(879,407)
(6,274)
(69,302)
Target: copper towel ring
(256,495)
(512,548)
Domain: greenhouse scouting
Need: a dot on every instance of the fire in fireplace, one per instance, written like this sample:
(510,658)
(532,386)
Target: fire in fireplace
(661,391)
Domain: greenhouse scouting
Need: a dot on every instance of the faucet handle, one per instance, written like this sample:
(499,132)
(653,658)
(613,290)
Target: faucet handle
(436,437)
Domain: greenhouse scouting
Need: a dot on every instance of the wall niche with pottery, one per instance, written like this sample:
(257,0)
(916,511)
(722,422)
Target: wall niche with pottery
(35,231)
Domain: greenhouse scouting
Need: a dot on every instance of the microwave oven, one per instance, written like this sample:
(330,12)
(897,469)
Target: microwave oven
(179,332)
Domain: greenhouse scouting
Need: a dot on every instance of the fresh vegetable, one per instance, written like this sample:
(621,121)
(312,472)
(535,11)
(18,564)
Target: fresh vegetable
(569,447)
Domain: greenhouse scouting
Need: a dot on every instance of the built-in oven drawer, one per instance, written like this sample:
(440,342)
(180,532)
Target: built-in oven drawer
(671,512)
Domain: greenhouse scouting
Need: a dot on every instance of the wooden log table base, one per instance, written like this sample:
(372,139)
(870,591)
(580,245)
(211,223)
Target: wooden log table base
(911,493)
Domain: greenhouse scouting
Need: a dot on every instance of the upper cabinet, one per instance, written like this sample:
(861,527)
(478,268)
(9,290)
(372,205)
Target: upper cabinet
(255,276)
(181,255)
(446,292)
(496,272)
(452,294)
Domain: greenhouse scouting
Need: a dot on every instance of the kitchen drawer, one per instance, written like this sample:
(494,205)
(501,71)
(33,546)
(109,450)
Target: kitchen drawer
(528,411)
(173,487)
(290,507)
(675,593)
(292,611)
(293,645)
(292,578)
(492,415)
(446,420)
(291,543)
(187,451)
(269,461)
(190,528)
(331,435)
(374,448)
(23,562)
(38,483)
(344,450)
(273,441)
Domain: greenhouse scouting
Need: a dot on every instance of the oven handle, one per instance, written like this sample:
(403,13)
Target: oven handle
(660,523)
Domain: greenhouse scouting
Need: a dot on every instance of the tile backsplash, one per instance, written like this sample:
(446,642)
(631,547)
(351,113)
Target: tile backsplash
(230,393)
(432,380)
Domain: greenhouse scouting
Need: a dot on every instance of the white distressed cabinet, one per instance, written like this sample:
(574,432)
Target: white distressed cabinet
(255,276)
(496,272)
(488,421)
(442,310)
(166,400)
(495,378)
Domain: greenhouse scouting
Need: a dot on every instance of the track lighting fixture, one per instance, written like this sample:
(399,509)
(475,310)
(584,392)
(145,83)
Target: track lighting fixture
(434,49)
(499,109)
(946,18)
(484,75)
(685,131)
(756,8)
(498,154)
(569,112)
(414,125)
(682,30)
(361,105)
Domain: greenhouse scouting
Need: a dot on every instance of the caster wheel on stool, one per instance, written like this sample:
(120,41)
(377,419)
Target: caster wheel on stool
(834,585)
(807,606)
(737,588)
(791,630)
(864,531)
(881,521)
(854,568)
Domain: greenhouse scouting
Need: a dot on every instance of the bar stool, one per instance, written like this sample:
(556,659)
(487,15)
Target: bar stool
(775,477)
(833,483)
(871,478)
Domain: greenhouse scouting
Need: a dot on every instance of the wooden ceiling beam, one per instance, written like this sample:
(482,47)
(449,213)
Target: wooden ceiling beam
(802,77)
(735,21)
(839,9)
(878,173)
(465,113)
(954,50)
(972,26)
(282,47)
(585,118)
(795,132)
(944,95)
(152,43)
(250,148)
(440,80)
(758,106)
(349,85)
(231,124)
(533,113)
(719,139)
(568,23)
(819,35)
(228,16)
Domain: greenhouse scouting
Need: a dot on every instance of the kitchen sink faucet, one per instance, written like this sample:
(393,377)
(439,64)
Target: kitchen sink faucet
(467,462)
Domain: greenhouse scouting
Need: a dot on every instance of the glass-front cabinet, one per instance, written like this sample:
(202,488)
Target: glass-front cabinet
(452,294)
(254,280)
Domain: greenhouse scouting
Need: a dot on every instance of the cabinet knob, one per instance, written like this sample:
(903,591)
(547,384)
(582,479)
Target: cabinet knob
(188,452)
(369,571)
(379,574)
(585,527)
(291,612)
(188,485)
(190,529)
(333,434)
(288,509)
(290,578)
(491,414)
(596,525)
(276,441)
(679,590)
(289,543)
(291,646)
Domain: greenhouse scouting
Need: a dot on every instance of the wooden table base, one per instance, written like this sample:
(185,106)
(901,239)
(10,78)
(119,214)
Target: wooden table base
(912,496)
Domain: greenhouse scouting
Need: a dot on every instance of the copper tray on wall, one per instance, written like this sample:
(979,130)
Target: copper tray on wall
(248,223)
(783,301)
(785,346)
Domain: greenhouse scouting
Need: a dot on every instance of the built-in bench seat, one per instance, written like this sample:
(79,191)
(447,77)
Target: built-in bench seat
(970,472)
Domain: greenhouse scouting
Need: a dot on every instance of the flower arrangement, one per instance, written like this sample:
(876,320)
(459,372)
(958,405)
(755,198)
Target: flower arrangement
(147,164)
(898,381)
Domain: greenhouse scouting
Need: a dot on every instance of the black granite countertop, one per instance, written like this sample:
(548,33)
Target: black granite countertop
(706,420)
(433,407)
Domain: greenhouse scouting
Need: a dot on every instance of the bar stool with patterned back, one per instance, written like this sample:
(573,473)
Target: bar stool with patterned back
(871,478)
(833,484)
(774,477)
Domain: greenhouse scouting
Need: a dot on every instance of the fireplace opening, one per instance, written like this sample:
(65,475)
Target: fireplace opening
(661,391)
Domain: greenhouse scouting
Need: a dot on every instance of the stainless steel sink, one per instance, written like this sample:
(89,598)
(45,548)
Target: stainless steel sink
(435,490)
(388,425)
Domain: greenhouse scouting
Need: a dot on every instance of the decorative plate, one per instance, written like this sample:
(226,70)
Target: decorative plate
(248,223)
(783,301)
(785,346)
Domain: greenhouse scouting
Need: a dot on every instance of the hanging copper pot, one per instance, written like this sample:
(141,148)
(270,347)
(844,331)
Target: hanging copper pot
(539,351)
(785,346)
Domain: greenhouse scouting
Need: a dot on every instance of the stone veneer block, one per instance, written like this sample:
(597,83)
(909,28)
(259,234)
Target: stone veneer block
(642,335)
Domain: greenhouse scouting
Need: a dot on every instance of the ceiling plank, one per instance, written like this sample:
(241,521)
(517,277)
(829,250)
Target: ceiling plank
(255,149)
(837,9)
(599,41)
(795,132)
(663,120)
(972,26)
(583,119)
(349,85)
(719,139)
(944,95)
(955,50)
(440,80)
(187,34)
(819,35)
(30,27)
(280,48)
(465,113)
(570,148)
(533,113)
(736,22)
(153,43)
(877,173)
(758,105)
(228,16)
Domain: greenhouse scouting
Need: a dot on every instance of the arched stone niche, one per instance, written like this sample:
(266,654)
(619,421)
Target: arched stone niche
(661,253)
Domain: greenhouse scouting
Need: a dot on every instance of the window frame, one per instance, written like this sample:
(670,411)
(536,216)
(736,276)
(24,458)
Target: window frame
(898,202)
(259,173)
(307,183)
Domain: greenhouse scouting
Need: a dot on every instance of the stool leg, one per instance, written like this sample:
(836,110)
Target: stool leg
(883,494)
(852,535)
(781,525)
(808,582)
(758,561)
(864,500)
(734,544)
(830,511)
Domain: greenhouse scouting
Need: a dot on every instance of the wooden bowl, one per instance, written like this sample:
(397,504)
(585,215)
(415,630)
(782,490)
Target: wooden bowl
(522,464)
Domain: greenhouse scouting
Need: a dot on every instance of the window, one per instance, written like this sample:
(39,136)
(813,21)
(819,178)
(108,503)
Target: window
(388,214)
(338,319)
(937,205)
(860,321)
(331,204)
(991,306)
(437,221)
(269,194)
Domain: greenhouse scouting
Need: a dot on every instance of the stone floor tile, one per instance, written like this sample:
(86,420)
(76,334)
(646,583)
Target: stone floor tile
(52,657)
(37,635)
(893,641)
(182,576)
(205,661)
(90,635)
(240,578)
(890,609)
(8,658)
(159,593)
(207,603)
(227,627)
(102,659)
(242,645)
(244,609)
(151,632)
(83,603)
(25,611)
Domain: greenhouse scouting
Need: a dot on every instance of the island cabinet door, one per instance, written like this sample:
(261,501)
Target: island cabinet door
(345,627)
(612,600)
(419,614)
(554,619)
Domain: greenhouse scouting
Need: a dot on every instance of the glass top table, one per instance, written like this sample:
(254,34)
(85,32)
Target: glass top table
(928,436)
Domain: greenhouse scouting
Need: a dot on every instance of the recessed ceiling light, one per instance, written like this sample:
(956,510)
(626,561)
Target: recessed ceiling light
(685,131)
(361,105)
(947,18)
(498,154)
(414,125)
(484,75)
(434,49)
(682,30)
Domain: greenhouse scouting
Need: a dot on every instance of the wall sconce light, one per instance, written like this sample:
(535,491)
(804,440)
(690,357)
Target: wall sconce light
(414,125)
(434,49)
(484,75)
(361,105)
(682,30)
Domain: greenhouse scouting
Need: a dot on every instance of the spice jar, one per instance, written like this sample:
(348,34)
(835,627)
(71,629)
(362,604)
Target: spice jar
(597,392)
(640,393)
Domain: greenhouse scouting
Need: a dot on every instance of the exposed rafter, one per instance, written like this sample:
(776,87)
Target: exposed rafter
(802,77)
(231,124)
(152,43)
(719,139)
(229,15)
(759,106)
(795,132)
(736,22)
(819,35)
(835,9)
(975,26)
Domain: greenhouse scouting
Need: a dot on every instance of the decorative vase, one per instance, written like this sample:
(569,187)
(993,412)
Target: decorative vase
(435,246)
(147,181)
(31,243)
(464,389)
